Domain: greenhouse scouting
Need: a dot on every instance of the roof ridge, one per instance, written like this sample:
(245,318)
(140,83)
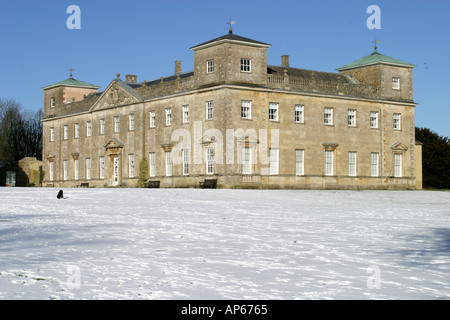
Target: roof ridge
(232,37)
(72,82)
(374,58)
(172,77)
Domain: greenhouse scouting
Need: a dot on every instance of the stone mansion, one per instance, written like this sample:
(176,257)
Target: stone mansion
(239,122)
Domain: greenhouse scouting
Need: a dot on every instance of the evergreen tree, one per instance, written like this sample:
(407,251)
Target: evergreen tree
(143,173)
(435,159)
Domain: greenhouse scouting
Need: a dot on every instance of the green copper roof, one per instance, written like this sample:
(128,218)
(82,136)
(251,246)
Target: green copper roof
(71,82)
(375,58)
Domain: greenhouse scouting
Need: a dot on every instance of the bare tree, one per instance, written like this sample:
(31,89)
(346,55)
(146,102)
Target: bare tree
(20,132)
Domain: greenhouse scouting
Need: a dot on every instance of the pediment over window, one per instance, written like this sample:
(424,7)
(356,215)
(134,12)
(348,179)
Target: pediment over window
(207,139)
(113,143)
(330,146)
(50,156)
(75,155)
(399,147)
(118,93)
(247,139)
(167,146)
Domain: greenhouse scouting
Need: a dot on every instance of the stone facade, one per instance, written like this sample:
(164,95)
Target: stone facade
(27,172)
(236,120)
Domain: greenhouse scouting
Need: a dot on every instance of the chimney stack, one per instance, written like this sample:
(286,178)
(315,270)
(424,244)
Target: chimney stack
(130,78)
(285,61)
(177,67)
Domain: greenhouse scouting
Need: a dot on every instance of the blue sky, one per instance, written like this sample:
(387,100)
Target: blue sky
(146,37)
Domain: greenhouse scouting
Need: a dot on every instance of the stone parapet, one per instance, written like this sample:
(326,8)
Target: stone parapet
(300,84)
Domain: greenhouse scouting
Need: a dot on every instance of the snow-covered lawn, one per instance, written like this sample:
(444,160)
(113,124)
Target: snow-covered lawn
(224,244)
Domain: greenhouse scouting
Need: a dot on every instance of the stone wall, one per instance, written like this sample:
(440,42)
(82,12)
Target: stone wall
(229,131)
(362,90)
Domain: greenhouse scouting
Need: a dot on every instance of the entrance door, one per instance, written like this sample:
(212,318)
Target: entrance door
(116,171)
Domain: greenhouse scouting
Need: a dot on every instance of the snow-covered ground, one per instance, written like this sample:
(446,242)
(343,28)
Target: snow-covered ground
(224,244)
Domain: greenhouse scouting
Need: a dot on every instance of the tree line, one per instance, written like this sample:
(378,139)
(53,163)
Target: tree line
(20,132)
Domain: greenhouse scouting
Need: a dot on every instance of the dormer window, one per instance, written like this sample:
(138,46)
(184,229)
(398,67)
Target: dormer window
(246,65)
(210,66)
(396,83)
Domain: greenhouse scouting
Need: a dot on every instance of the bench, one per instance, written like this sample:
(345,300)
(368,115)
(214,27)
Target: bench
(209,183)
(153,184)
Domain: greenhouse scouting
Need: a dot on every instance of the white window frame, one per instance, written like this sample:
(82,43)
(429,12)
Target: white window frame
(299,113)
(397,121)
(274,161)
(352,163)
(395,83)
(116,124)
(246,160)
(52,134)
(51,170)
(209,110)
(152,164)
(77,130)
(65,170)
(373,119)
(299,162)
(209,160)
(186,161)
(52,102)
(76,169)
(246,109)
(329,162)
(185,110)
(102,126)
(131,121)
(152,119)
(246,65)
(131,165)
(66,132)
(374,164)
(398,157)
(210,66)
(328,116)
(273,111)
(168,116)
(351,117)
(88,128)
(168,163)
(88,168)
(102,167)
